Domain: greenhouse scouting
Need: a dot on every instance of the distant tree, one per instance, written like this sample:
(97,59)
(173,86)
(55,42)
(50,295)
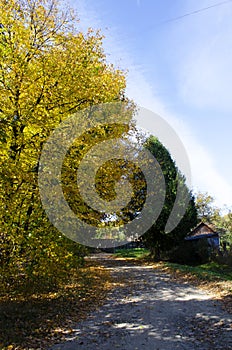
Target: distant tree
(206,210)
(224,223)
(156,239)
(209,213)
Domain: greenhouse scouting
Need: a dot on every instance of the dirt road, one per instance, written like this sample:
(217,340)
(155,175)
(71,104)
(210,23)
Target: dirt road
(151,312)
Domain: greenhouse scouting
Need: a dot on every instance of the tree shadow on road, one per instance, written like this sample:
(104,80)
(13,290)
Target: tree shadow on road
(152,312)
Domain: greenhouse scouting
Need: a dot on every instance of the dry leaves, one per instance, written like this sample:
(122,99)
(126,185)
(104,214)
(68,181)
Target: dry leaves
(39,320)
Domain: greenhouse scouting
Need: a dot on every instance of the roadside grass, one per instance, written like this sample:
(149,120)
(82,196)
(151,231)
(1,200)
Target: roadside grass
(135,253)
(210,272)
(38,320)
(212,277)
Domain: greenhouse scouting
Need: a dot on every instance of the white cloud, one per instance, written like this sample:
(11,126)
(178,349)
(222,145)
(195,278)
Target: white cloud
(206,76)
(204,62)
(205,176)
(202,72)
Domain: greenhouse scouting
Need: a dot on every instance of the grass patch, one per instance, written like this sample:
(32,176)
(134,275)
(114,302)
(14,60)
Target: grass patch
(210,271)
(135,253)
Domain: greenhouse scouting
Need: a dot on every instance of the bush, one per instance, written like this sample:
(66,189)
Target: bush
(33,265)
(191,253)
(223,258)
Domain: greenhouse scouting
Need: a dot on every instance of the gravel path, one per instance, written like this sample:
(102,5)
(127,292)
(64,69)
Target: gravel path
(151,312)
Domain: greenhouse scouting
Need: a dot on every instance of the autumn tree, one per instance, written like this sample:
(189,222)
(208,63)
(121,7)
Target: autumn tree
(206,209)
(223,224)
(226,225)
(48,70)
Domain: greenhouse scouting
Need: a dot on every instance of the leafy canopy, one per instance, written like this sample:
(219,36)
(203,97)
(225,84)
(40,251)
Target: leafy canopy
(48,70)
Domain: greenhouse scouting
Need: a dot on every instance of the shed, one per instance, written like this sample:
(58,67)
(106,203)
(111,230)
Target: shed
(203,231)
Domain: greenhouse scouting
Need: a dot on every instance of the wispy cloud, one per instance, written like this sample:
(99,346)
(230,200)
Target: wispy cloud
(204,62)
(200,72)
(204,175)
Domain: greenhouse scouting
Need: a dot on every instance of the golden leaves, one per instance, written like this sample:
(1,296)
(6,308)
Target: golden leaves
(48,70)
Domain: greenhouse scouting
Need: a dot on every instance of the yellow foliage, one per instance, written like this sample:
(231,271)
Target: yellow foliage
(48,70)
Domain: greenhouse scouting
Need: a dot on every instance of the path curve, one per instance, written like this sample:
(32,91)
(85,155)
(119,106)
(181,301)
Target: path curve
(151,312)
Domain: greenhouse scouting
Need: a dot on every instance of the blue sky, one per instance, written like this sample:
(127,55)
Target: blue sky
(180,69)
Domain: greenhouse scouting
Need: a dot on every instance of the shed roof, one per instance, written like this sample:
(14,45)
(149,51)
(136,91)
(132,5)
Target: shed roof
(202,231)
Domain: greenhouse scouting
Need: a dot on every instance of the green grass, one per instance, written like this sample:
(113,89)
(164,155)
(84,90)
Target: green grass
(210,271)
(136,253)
